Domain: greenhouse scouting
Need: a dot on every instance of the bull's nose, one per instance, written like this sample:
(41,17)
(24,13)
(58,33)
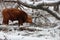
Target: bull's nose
(30,22)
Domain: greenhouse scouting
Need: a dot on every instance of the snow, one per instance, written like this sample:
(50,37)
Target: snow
(45,34)
(50,1)
(39,2)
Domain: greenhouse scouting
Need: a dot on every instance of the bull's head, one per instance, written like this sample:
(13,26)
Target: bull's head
(29,19)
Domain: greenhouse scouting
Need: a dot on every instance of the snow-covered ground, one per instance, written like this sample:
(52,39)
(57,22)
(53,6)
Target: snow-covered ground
(43,34)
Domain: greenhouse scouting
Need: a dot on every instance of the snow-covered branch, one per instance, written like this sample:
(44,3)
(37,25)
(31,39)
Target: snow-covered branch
(39,3)
(42,2)
(54,13)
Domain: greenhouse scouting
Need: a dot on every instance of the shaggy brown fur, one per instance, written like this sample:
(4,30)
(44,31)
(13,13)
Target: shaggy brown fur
(15,14)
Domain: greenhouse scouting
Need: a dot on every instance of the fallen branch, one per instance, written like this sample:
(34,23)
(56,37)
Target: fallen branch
(52,12)
(29,29)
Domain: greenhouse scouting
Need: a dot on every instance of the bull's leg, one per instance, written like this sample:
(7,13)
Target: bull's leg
(5,21)
(5,18)
(20,23)
(5,24)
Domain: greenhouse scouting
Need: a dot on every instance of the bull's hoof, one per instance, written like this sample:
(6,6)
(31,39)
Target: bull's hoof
(21,29)
(3,27)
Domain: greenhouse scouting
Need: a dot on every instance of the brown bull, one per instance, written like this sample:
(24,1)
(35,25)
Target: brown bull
(15,14)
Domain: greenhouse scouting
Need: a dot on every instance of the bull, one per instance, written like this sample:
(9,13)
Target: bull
(15,14)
